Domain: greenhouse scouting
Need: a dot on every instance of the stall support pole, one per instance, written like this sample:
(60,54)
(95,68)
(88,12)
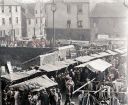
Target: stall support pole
(0,88)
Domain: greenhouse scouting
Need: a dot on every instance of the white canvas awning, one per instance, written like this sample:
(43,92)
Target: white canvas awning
(95,55)
(119,51)
(124,50)
(65,62)
(48,68)
(36,83)
(96,65)
(70,61)
(15,76)
(53,67)
(111,52)
(104,54)
(100,55)
(32,72)
(66,47)
(61,64)
(84,58)
(124,55)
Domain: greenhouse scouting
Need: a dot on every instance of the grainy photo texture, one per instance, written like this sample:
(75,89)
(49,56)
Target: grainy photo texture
(63,52)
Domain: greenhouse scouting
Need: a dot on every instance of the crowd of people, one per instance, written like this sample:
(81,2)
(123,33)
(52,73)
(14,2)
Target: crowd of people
(43,97)
(108,87)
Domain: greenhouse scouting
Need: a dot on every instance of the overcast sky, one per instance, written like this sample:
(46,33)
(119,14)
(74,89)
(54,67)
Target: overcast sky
(93,2)
(29,1)
(48,0)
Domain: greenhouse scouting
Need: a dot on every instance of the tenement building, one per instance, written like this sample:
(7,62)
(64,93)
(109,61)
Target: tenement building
(108,19)
(11,20)
(35,20)
(71,19)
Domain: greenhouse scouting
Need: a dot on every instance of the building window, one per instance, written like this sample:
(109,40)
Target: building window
(16,9)
(36,21)
(79,24)
(34,31)
(17,31)
(3,21)
(14,33)
(45,10)
(3,33)
(79,8)
(40,20)
(17,20)
(46,23)
(41,11)
(10,20)
(0,33)
(68,23)
(68,8)
(10,8)
(29,21)
(35,11)
(2,9)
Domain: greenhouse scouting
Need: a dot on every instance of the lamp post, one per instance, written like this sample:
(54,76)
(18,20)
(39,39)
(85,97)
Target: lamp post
(126,5)
(0,87)
(53,8)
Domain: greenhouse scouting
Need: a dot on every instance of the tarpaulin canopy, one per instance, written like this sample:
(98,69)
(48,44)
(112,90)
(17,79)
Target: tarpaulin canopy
(101,54)
(31,72)
(66,47)
(64,63)
(111,52)
(48,68)
(36,83)
(84,58)
(120,51)
(15,76)
(61,64)
(53,67)
(124,55)
(70,61)
(104,54)
(48,58)
(96,55)
(124,50)
(96,65)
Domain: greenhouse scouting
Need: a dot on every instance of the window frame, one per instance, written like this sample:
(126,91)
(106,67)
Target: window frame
(80,24)
(29,21)
(68,8)
(36,20)
(3,21)
(16,8)
(10,9)
(80,8)
(10,20)
(2,9)
(68,23)
(17,20)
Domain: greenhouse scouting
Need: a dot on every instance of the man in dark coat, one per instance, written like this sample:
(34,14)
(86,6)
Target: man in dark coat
(44,97)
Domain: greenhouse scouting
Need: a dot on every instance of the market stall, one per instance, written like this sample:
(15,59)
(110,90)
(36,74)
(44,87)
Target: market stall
(111,52)
(95,55)
(52,67)
(100,55)
(104,54)
(70,61)
(15,77)
(84,59)
(121,51)
(35,83)
(96,65)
